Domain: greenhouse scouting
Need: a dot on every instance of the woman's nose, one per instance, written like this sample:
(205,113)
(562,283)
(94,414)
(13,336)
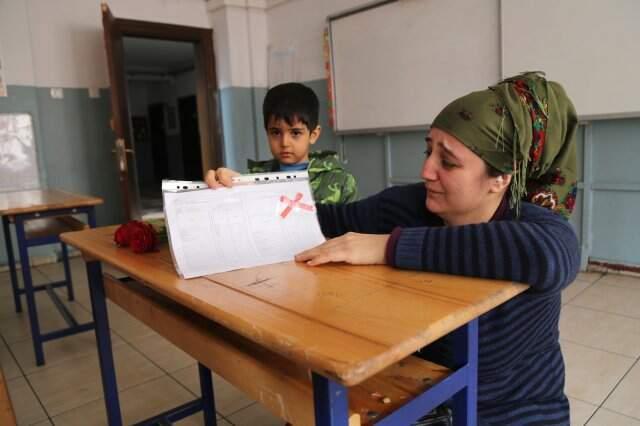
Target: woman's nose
(428,169)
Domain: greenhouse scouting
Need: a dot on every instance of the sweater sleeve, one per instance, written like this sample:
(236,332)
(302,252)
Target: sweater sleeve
(359,216)
(377,214)
(540,249)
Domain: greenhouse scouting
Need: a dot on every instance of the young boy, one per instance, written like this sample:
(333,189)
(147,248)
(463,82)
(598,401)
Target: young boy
(290,113)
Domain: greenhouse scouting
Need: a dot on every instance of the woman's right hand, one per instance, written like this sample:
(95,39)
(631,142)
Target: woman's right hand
(220,177)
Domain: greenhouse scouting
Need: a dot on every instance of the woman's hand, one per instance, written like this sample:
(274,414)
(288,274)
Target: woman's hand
(353,248)
(220,177)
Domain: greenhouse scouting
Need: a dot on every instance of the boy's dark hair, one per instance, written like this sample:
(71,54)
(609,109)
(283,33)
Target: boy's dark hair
(291,102)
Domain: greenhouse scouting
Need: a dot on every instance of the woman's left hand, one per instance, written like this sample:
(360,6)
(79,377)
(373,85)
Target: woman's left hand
(353,248)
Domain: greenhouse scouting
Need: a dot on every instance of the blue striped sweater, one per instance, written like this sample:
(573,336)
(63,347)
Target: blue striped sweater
(521,370)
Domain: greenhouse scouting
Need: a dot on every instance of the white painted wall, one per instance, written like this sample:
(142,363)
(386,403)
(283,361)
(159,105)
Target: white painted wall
(60,43)
(240,39)
(298,25)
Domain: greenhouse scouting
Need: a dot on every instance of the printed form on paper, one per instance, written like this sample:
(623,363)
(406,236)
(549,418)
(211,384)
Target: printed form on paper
(264,218)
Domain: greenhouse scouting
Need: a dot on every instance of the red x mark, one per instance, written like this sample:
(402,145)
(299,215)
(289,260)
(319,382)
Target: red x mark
(293,203)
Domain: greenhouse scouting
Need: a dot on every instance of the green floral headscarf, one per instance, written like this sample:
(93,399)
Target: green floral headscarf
(524,126)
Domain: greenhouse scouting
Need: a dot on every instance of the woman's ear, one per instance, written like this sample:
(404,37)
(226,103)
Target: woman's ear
(500,183)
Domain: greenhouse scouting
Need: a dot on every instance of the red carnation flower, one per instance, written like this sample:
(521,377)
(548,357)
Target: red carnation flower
(139,235)
(122,236)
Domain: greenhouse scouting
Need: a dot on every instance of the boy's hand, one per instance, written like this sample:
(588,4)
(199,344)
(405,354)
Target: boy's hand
(220,177)
(353,248)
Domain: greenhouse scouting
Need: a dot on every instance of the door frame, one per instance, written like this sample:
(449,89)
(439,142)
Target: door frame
(206,90)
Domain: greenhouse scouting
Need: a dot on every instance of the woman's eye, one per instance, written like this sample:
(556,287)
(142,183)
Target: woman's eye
(447,164)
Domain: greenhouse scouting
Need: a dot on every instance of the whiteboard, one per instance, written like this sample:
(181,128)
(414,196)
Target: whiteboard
(397,65)
(592,47)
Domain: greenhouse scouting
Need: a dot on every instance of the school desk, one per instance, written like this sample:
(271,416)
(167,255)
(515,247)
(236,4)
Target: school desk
(330,345)
(40,216)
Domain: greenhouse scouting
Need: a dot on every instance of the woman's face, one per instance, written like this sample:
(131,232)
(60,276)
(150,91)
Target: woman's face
(459,188)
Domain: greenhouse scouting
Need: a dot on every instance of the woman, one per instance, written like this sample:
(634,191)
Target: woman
(486,153)
(499,182)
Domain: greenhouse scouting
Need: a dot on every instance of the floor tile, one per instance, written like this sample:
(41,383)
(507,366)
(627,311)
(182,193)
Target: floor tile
(17,327)
(580,411)
(76,382)
(589,276)
(10,367)
(624,398)
(137,403)
(600,330)
(198,420)
(228,398)
(604,417)
(55,271)
(254,415)
(7,304)
(574,289)
(57,351)
(25,404)
(592,373)
(624,281)
(162,352)
(612,299)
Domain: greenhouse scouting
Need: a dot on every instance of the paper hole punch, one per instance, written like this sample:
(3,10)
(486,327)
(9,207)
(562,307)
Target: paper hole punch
(255,178)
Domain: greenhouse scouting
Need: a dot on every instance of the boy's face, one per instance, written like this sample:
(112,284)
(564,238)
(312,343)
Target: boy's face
(290,144)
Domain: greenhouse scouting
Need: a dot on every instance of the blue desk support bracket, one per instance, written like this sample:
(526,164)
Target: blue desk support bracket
(12,263)
(461,385)
(103,342)
(29,289)
(465,349)
(331,402)
(206,402)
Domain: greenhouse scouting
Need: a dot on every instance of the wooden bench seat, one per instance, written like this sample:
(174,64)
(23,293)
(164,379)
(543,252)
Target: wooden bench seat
(50,226)
(7,416)
(281,386)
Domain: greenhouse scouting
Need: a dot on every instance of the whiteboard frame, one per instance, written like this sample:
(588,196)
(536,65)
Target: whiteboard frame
(382,130)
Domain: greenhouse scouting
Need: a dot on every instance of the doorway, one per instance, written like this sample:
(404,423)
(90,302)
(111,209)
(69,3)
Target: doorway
(161,88)
(164,107)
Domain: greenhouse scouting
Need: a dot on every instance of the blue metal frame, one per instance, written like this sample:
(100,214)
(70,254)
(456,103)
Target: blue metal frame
(332,406)
(331,402)
(29,288)
(206,402)
(103,342)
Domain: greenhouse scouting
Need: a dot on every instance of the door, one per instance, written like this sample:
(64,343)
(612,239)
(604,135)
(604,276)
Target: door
(206,105)
(123,146)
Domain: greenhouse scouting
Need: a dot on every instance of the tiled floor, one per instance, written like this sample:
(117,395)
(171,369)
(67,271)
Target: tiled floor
(599,330)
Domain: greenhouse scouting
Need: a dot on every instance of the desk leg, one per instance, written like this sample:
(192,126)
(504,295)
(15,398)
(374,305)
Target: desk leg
(12,263)
(331,402)
(28,291)
(67,271)
(465,349)
(103,339)
(206,393)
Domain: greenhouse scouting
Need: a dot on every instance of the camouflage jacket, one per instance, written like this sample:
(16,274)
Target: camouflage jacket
(330,182)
